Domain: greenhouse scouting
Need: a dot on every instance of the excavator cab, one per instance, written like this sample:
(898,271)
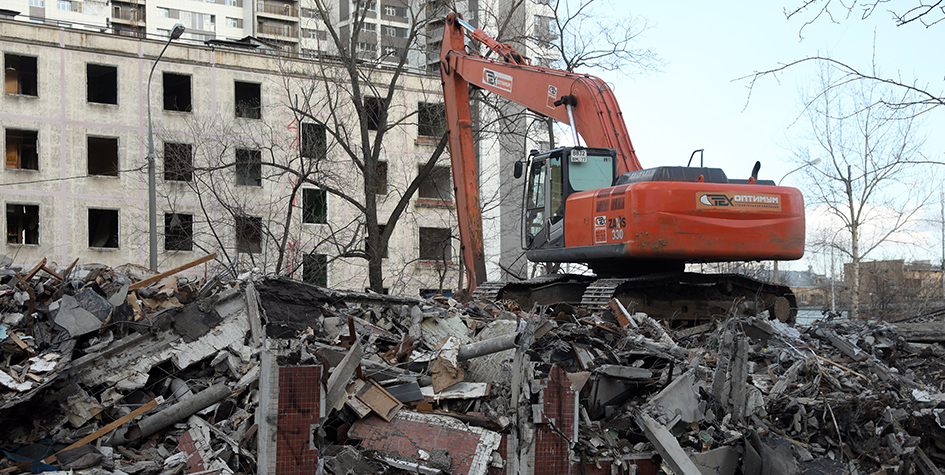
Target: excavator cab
(551,177)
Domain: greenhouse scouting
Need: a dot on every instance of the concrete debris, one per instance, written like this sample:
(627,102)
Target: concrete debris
(122,371)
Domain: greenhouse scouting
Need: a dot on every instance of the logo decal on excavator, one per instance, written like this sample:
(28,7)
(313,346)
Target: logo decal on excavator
(715,200)
(497,80)
(739,201)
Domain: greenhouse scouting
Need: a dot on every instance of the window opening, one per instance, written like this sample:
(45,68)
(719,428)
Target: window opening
(102,84)
(314,206)
(177,93)
(21,149)
(248,100)
(315,269)
(314,142)
(374,108)
(437,185)
(22,224)
(431,119)
(178,162)
(103,228)
(103,156)
(248,167)
(249,234)
(435,245)
(178,232)
(20,75)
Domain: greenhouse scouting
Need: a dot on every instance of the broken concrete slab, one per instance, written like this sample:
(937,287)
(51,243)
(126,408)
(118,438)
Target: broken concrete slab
(667,446)
(75,319)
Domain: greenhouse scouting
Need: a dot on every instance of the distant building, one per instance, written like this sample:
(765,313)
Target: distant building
(810,288)
(896,288)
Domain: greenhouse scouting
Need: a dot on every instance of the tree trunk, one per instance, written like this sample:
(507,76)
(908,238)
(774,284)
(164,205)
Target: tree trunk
(855,301)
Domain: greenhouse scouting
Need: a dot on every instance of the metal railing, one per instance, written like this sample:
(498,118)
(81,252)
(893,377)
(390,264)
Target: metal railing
(289,31)
(284,9)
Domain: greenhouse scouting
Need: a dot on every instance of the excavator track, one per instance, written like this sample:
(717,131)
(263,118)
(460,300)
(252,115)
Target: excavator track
(679,298)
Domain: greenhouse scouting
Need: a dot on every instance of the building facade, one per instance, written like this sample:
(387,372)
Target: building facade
(77,79)
(74,117)
(895,288)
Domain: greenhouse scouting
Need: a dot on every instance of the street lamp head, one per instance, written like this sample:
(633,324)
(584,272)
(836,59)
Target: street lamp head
(814,162)
(177,31)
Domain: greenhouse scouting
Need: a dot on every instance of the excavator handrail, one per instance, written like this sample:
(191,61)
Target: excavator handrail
(596,117)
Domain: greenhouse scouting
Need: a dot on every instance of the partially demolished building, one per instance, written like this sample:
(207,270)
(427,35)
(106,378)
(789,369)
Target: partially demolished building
(108,370)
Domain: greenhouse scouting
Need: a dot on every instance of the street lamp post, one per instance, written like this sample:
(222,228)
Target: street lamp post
(806,164)
(152,200)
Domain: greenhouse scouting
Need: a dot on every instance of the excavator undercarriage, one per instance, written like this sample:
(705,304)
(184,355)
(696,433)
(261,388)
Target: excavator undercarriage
(680,299)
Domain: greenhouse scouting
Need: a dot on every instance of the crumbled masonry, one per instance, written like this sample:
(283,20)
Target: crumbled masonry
(103,371)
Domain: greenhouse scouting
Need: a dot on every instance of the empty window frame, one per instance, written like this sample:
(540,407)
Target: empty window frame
(247,97)
(435,245)
(437,185)
(178,161)
(103,156)
(381,178)
(102,84)
(431,119)
(22,224)
(314,206)
(103,228)
(249,234)
(313,140)
(248,167)
(178,232)
(21,149)
(374,108)
(315,269)
(177,92)
(20,75)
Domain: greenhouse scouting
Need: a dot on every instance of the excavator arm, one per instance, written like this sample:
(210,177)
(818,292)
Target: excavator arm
(595,115)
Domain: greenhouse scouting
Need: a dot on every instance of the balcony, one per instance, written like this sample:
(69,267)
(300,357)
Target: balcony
(281,10)
(128,15)
(284,32)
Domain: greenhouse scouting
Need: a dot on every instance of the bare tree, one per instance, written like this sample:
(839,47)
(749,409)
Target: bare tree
(916,95)
(586,35)
(866,179)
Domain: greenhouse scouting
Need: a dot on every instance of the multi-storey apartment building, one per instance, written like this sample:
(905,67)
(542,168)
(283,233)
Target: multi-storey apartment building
(105,96)
(74,118)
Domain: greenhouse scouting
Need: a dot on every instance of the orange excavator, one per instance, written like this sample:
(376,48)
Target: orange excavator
(635,228)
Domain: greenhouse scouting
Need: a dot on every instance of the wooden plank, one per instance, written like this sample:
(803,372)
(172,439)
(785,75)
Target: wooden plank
(104,430)
(21,344)
(155,278)
(379,400)
(53,273)
(65,273)
(29,275)
(838,365)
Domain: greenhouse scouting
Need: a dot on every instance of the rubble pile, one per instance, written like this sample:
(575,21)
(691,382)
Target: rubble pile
(119,371)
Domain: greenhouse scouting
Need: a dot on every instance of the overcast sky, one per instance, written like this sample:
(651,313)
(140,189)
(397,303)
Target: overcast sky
(697,102)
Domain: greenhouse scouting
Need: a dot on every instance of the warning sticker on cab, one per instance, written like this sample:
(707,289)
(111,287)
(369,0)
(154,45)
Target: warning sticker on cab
(600,229)
(738,201)
(497,80)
